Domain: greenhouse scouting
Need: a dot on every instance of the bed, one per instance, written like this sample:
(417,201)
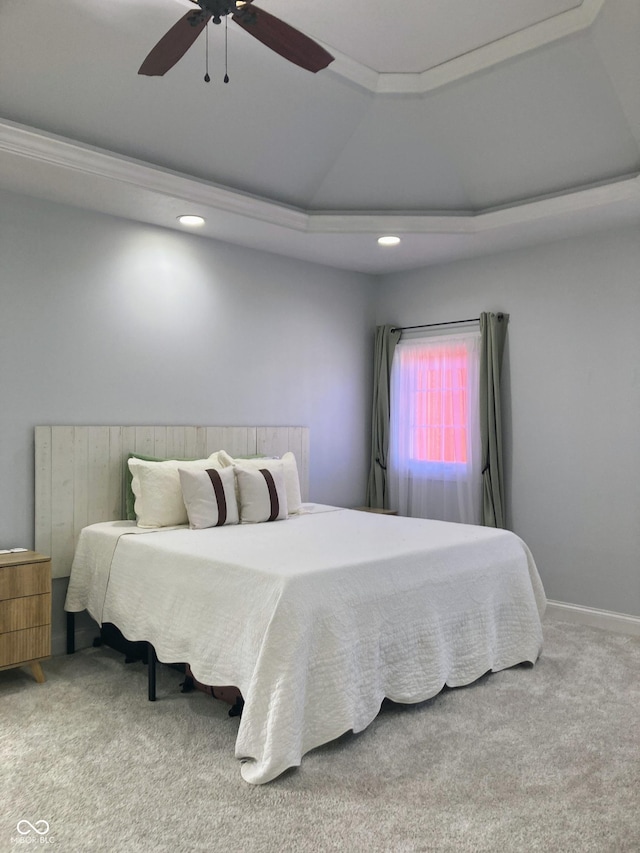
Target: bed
(317,617)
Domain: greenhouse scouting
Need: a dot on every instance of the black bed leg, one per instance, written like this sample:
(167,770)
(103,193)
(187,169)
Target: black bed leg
(151,672)
(71,633)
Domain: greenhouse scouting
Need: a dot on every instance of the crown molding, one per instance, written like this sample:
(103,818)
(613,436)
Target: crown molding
(626,189)
(63,171)
(419,83)
(42,148)
(26,142)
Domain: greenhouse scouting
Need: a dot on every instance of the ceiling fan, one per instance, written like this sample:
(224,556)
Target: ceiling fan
(271,31)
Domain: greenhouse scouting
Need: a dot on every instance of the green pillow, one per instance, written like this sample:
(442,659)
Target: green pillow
(129,497)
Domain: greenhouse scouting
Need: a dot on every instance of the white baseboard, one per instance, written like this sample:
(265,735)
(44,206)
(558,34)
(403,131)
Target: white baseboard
(621,623)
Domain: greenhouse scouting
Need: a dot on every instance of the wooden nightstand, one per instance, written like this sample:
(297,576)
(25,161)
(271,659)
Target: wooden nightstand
(25,611)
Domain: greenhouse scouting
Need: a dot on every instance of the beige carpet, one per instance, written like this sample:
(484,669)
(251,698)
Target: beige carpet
(531,759)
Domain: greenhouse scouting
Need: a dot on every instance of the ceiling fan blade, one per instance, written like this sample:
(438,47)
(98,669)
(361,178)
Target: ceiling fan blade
(174,44)
(284,39)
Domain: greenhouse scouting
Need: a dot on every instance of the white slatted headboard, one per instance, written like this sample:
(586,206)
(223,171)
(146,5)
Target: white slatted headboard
(80,471)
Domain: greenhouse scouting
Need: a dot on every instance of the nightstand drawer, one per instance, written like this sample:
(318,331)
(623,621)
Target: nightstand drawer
(28,612)
(22,646)
(25,579)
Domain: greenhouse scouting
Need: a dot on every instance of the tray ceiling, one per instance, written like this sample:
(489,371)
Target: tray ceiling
(465,126)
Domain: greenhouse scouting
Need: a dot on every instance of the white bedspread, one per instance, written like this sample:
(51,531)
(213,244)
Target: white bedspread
(316,619)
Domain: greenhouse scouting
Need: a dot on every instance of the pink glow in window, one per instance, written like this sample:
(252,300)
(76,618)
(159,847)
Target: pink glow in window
(439,405)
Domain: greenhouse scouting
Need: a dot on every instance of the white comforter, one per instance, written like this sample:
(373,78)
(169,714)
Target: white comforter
(316,619)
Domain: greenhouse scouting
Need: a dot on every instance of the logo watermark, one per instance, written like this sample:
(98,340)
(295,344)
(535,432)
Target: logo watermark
(33,833)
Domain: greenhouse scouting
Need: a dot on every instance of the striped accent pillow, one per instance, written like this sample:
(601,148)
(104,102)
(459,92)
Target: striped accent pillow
(209,496)
(287,464)
(262,494)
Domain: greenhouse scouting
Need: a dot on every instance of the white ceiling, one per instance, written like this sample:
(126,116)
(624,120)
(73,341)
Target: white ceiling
(421,35)
(465,126)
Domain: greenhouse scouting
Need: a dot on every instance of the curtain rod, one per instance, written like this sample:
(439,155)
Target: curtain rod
(431,325)
(499,315)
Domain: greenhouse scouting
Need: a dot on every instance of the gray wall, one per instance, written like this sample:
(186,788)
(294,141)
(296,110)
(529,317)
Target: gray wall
(573,418)
(105,321)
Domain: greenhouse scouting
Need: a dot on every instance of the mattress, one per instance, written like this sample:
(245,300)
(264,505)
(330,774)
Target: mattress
(317,618)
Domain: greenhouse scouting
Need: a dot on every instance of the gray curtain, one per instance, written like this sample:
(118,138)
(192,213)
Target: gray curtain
(493,328)
(386,339)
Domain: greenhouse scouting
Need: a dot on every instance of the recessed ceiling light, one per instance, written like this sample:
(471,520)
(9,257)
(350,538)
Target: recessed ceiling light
(191,221)
(388,240)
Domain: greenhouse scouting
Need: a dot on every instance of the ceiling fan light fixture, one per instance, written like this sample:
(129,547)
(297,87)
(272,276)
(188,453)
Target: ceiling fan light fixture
(190,220)
(274,33)
(388,240)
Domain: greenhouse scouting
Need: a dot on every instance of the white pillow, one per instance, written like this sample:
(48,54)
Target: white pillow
(262,494)
(209,496)
(157,492)
(288,466)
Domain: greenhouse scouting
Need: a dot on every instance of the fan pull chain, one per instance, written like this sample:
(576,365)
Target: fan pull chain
(207,79)
(226,48)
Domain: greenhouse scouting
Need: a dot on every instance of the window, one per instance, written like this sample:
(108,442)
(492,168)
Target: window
(437,410)
(434,434)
